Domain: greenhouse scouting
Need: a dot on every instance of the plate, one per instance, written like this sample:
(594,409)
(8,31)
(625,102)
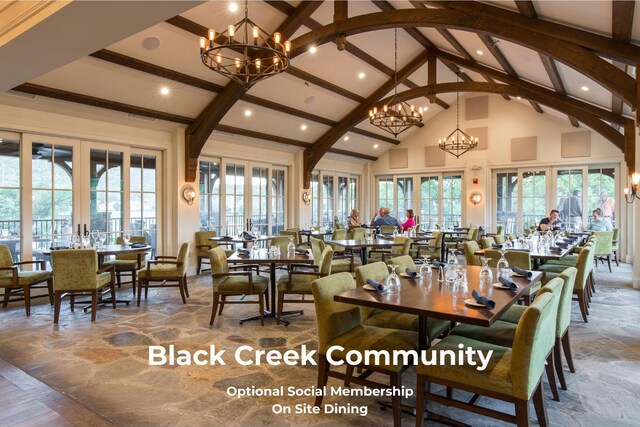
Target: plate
(472,302)
(500,286)
(368,287)
(406,275)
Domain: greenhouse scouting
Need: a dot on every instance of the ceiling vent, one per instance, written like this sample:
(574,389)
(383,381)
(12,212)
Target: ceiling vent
(139,117)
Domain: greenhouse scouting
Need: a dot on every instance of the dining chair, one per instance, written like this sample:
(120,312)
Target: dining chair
(128,263)
(472,235)
(520,259)
(403,262)
(165,269)
(512,375)
(235,283)
(338,234)
(340,324)
(388,229)
(431,249)
(76,272)
(17,282)
(293,234)
(487,242)
(470,249)
(603,247)
(383,254)
(203,246)
(615,245)
(299,282)
(339,263)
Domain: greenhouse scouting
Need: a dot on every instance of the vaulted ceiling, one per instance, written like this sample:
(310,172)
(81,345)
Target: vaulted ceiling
(573,59)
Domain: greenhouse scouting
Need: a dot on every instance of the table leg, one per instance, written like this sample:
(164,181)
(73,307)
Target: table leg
(103,301)
(363,255)
(443,248)
(272,288)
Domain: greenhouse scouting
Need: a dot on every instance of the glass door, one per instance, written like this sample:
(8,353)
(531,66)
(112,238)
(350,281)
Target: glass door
(10,183)
(144,197)
(106,192)
(259,200)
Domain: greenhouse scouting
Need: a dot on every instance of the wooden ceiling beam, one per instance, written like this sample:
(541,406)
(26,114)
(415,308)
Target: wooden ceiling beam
(314,153)
(572,55)
(621,30)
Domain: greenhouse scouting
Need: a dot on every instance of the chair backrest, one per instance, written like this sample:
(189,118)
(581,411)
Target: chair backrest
(219,264)
(317,247)
(604,244)
(401,250)
(282,242)
(388,229)
(325,261)
(616,235)
(291,233)
(472,234)
(436,242)
(487,242)
(533,340)
(339,226)
(470,248)
(5,256)
(439,226)
(584,264)
(403,262)
(356,233)
(500,230)
(377,271)
(133,256)
(333,318)
(74,269)
(564,307)
(183,257)
(339,234)
(499,238)
(202,239)
(519,259)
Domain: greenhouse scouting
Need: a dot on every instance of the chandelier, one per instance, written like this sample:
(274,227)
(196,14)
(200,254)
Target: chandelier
(245,53)
(396,116)
(458,142)
(634,193)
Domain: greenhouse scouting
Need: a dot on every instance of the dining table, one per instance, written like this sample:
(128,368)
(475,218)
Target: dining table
(262,257)
(228,240)
(539,256)
(318,234)
(364,244)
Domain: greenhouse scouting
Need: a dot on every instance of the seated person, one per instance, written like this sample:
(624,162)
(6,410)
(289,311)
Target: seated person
(377,215)
(551,222)
(410,222)
(386,219)
(354,218)
(599,223)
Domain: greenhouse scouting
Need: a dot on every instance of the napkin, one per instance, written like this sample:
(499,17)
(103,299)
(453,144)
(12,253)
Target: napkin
(226,238)
(375,285)
(243,252)
(563,245)
(508,283)
(138,245)
(494,246)
(555,249)
(411,273)
(301,252)
(519,249)
(56,248)
(483,300)
(437,263)
(524,272)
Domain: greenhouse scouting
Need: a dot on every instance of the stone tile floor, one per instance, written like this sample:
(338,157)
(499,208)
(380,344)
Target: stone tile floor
(104,365)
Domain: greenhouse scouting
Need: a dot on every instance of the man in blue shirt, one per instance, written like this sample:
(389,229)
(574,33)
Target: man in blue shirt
(386,219)
(599,223)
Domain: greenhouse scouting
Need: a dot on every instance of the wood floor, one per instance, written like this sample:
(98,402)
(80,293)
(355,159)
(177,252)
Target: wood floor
(25,401)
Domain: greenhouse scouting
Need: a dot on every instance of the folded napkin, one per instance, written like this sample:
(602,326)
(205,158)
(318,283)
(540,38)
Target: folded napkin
(375,285)
(494,246)
(437,263)
(411,273)
(226,238)
(138,245)
(57,248)
(243,252)
(562,245)
(555,249)
(483,300)
(524,272)
(508,283)
(519,249)
(301,252)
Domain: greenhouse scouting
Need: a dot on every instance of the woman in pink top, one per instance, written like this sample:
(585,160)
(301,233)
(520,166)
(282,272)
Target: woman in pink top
(410,222)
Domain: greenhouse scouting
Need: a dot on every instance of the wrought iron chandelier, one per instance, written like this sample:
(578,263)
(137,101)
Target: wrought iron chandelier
(458,142)
(396,116)
(245,53)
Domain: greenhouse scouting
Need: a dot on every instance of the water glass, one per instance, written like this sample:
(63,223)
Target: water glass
(86,241)
(126,238)
(503,266)
(393,281)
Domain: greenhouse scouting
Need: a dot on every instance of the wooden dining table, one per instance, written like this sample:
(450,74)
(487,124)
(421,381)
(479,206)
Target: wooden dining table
(232,241)
(262,257)
(538,257)
(315,233)
(364,244)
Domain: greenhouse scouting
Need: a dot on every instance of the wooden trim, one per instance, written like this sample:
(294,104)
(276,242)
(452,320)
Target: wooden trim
(630,146)
(622,19)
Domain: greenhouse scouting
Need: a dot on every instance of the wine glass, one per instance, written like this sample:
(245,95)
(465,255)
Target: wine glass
(86,240)
(126,237)
(393,281)
(99,240)
(486,273)
(76,240)
(503,265)
(425,270)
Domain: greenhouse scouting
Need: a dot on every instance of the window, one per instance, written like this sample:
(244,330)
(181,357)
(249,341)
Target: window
(569,196)
(327,201)
(601,186)
(143,196)
(334,199)
(534,198)
(210,196)
(353,194)
(10,194)
(385,193)
(452,200)
(105,192)
(277,201)
(234,183)
(342,210)
(507,200)
(259,198)
(405,196)
(429,206)
(315,199)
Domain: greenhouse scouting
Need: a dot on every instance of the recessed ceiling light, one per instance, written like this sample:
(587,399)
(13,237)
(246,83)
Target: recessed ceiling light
(361,75)
(303,127)
(519,97)
(247,113)
(313,49)
(164,90)
(479,52)
(151,43)
(585,88)
(233,7)
(375,146)
(310,99)
(346,138)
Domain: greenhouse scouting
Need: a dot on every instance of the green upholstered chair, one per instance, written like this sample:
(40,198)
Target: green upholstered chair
(338,234)
(128,263)
(403,262)
(231,283)
(340,324)
(379,272)
(487,242)
(568,260)
(388,229)
(76,272)
(282,242)
(511,236)
(165,269)
(394,251)
(472,235)
(16,282)
(339,263)
(520,259)
(204,245)
(293,234)
(356,233)
(604,246)
(499,238)
(615,245)
(299,282)
(470,248)
(431,249)
(512,375)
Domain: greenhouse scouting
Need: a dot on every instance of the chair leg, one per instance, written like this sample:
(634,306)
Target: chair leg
(323,371)
(566,346)
(94,304)
(181,286)
(609,262)
(280,303)
(50,289)
(420,401)
(134,281)
(186,286)
(139,290)
(261,307)
(7,294)
(615,255)
(119,279)
(396,400)
(112,288)
(349,373)
(72,301)
(56,306)
(214,307)
(593,281)
(522,412)
(27,299)
(551,377)
(146,289)
(199,266)
(223,299)
(557,359)
(583,305)
(538,403)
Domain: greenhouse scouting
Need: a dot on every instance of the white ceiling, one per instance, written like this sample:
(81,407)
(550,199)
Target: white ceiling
(76,72)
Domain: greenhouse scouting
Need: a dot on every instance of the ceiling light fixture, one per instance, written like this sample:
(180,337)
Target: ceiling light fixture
(244,52)
(375,146)
(303,127)
(247,113)
(585,88)
(396,116)
(458,142)
(313,49)
(346,138)
(233,7)
(164,90)
(361,75)
(479,52)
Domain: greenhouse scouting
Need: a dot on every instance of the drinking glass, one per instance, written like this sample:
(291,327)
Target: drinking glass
(393,281)
(291,248)
(4,232)
(100,238)
(86,241)
(503,266)
(126,237)
(485,272)
(76,241)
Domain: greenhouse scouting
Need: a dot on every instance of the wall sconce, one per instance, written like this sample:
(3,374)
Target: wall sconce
(475,198)
(630,196)
(188,194)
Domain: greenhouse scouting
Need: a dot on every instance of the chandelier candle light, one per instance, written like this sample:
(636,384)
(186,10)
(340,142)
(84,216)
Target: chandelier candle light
(458,142)
(634,193)
(396,116)
(245,53)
